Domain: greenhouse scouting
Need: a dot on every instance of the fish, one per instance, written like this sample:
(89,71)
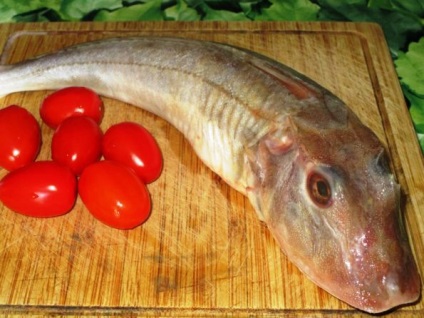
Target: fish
(318,177)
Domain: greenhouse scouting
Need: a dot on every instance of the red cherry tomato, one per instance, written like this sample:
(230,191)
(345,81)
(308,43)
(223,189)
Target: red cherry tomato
(71,101)
(132,145)
(40,189)
(114,194)
(20,137)
(77,142)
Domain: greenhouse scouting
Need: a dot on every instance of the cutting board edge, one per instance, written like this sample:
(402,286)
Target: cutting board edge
(265,27)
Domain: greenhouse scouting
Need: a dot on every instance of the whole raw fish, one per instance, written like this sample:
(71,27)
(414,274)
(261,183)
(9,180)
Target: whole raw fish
(316,175)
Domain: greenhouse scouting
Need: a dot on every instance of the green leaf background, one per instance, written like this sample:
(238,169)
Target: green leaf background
(401,20)
(149,11)
(75,10)
(290,10)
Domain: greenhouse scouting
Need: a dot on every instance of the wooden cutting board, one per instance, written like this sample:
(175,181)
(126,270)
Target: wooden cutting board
(203,252)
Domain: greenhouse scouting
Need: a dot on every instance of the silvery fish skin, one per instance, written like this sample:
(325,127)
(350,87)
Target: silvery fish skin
(316,175)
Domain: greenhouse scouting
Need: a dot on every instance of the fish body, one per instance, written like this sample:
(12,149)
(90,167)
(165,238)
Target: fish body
(313,172)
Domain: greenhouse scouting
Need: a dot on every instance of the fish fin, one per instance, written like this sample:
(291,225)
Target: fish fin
(280,139)
(294,83)
(255,202)
(278,144)
(253,183)
(302,87)
(262,158)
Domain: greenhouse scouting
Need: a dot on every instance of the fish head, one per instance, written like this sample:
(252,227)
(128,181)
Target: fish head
(325,189)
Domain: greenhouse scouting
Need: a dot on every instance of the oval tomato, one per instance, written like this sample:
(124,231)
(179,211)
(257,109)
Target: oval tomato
(132,145)
(114,194)
(71,101)
(77,142)
(20,137)
(40,189)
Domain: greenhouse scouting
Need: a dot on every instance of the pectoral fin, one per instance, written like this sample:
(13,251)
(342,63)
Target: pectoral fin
(265,161)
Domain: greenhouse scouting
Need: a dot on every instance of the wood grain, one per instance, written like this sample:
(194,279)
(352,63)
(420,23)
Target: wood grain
(203,252)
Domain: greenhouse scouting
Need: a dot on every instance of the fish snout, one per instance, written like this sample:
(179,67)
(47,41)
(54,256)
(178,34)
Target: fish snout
(386,290)
(383,276)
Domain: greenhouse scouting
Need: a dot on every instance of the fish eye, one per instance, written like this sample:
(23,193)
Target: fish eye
(319,189)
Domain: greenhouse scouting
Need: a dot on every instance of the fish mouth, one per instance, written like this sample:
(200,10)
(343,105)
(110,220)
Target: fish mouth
(373,283)
(368,283)
(390,291)
(380,292)
(381,273)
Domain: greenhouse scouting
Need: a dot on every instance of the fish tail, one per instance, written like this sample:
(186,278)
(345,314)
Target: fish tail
(5,81)
(15,78)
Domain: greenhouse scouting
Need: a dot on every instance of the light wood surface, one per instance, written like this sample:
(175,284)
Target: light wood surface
(203,252)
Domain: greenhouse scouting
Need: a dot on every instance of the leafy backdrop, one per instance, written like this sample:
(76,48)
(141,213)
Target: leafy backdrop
(402,22)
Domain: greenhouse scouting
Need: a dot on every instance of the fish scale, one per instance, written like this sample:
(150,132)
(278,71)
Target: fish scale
(272,134)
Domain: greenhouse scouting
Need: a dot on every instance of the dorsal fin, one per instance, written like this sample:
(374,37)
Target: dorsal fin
(293,84)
